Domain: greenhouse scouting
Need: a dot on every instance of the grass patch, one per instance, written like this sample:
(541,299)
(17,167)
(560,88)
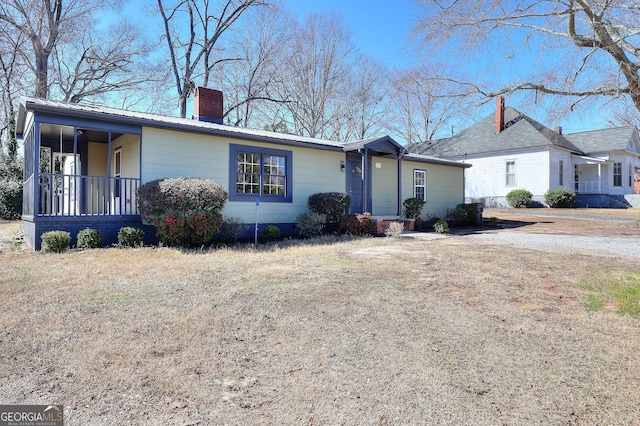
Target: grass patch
(617,291)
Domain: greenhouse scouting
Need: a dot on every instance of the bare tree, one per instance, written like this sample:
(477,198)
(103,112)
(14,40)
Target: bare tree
(47,24)
(586,49)
(321,59)
(366,99)
(103,62)
(421,107)
(192,30)
(250,81)
(12,82)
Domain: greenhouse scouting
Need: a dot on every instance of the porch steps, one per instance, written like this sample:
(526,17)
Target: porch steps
(380,225)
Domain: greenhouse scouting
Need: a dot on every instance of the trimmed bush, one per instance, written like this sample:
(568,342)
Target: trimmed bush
(89,238)
(310,224)
(519,198)
(194,230)
(271,233)
(412,207)
(55,241)
(462,215)
(333,205)
(231,229)
(357,224)
(560,198)
(179,196)
(129,236)
(185,211)
(441,227)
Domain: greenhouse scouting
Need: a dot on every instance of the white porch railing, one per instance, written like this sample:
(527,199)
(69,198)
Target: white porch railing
(588,187)
(68,195)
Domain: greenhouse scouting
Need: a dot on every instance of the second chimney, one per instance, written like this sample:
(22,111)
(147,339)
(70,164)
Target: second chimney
(499,114)
(208,105)
(558,130)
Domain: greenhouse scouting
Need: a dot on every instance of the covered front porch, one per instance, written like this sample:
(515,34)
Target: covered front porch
(590,175)
(364,170)
(78,174)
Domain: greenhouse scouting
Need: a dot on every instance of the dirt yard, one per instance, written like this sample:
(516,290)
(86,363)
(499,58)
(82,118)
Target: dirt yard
(369,331)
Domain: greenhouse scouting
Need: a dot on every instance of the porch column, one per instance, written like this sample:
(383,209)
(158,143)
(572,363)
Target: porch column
(399,212)
(599,178)
(36,169)
(365,186)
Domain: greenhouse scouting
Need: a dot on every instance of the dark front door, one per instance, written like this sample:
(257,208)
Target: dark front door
(355,182)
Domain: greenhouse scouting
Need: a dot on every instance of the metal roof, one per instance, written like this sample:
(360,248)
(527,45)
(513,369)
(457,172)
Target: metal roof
(384,144)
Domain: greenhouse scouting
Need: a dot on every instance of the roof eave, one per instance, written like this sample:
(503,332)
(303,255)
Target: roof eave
(29,105)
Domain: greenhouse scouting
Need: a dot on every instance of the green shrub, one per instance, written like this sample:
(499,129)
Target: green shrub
(231,229)
(441,227)
(560,197)
(310,224)
(55,241)
(333,205)
(519,198)
(271,233)
(462,215)
(185,211)
(356,224)
(89,238)
(196,229)
(10,187)
(412,207)
(129,236)
(179,196)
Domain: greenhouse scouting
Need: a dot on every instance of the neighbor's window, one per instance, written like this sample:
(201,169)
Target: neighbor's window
(259,173)
(510,173)
(561,173)
(420,184)
(630,175)
(617,174)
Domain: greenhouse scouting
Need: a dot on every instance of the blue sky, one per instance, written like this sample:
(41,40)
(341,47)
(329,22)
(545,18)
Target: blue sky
(380,28)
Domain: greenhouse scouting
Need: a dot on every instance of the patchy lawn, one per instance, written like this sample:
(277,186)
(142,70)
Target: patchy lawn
(367,331)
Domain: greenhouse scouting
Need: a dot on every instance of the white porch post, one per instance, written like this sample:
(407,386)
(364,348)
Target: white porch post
(599,178)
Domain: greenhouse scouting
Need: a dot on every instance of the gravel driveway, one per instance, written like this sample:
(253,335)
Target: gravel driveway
(613,245)
(569,244)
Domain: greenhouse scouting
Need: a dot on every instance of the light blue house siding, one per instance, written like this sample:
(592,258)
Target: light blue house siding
(84,164)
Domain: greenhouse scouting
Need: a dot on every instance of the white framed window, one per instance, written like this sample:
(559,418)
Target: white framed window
(630,175)
(510,173)
(561,173)
(420,184)
(260,172)
(617,174)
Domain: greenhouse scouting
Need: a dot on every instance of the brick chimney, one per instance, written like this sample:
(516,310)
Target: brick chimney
(208,105)
(499,114)
(558,129)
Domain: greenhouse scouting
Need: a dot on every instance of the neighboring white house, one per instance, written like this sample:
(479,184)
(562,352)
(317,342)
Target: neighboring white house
(509,151)
(84,163)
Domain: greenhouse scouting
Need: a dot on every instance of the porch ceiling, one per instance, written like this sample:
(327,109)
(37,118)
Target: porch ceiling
(583,159)
(53,131)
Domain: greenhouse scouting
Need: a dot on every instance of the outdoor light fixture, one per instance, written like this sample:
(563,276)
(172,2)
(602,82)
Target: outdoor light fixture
(342,166)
